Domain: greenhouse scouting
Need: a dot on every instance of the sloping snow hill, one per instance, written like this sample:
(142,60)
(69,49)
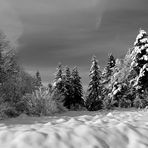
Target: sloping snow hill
(117,129)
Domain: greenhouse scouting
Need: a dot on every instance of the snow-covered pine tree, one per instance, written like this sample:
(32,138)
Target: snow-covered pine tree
(77,95)
(133,72)
(38,80)
(59,72)
(106,75)
(107,72)
(94,99)
(141,61)
(58,81)
(58,87)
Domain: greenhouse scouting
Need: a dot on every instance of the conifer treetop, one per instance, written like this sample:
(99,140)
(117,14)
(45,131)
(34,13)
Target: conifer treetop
(95,67)
(111,60)
(75,73)
(67,72)
(59,72)
(140,45)
(142,38)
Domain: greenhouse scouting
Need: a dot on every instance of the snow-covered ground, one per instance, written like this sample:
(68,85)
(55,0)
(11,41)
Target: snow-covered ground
(117,129)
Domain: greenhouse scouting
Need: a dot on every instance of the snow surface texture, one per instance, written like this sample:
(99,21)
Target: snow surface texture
(117,129)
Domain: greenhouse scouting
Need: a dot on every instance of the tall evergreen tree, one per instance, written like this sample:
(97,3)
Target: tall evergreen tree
(59,84)
(59,72)
(94,100)
(108,69)
(77,89)
(133,73)
(141,61)
(38,79)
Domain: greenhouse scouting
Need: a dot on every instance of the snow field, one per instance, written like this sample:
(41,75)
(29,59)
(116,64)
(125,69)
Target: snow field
(126,129)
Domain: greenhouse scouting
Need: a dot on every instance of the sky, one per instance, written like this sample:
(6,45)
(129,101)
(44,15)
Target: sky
(46,32)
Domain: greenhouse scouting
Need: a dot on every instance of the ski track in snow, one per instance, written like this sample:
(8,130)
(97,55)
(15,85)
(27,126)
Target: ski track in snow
(117,129)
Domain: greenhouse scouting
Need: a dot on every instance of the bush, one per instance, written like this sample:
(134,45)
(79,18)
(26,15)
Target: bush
(41,103)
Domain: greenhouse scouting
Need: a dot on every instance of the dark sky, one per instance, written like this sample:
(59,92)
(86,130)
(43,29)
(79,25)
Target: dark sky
(47,32)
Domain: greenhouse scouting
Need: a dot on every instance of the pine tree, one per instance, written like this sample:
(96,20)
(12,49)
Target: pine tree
(59,72)
(141,61)
(38,80)
(59,84)
(108,69)
(132,73)
(111,61)
(58,80)
(94,99)
(77,89)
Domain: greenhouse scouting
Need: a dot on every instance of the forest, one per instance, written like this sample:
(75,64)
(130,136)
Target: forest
(123,83)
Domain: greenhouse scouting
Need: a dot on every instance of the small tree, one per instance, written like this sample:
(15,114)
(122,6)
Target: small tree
(94,100)
(58,87)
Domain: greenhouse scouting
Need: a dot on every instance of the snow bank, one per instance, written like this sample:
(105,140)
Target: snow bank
(127,129)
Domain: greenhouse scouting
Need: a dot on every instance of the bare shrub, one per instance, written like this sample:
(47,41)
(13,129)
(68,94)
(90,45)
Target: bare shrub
(41,103)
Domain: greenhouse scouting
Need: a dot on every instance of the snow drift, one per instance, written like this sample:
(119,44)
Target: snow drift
(128,129)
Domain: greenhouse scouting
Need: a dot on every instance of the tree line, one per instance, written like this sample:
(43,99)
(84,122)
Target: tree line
(122,83)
